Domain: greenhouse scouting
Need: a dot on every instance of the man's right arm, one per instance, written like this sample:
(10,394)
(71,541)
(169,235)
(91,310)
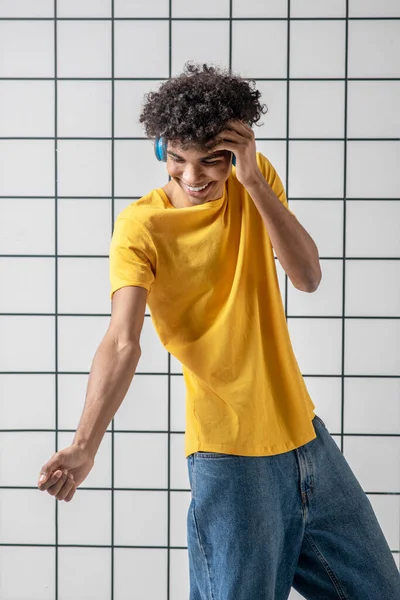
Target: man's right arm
(113,367)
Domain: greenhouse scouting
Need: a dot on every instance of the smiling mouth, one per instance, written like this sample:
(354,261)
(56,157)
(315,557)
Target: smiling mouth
(197,189)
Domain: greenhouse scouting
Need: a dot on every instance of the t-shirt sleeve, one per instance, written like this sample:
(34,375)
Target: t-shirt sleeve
(272,177)
(132,255)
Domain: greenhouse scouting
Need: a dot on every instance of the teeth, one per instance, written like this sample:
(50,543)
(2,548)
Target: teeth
(196,189)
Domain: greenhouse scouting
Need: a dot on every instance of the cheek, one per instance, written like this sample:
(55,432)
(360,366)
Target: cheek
(173,169)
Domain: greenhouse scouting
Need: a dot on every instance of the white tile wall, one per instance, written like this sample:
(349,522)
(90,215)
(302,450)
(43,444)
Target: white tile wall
(316,175)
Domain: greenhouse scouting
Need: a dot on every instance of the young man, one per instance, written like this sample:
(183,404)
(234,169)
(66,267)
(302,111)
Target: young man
(274,502)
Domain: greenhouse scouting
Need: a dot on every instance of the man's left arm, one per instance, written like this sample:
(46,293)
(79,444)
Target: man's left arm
(294,247)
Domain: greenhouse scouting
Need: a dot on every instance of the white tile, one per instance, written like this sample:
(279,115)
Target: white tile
(83,285)
(179,503)
(27,343)
(314,9)
(27,226)
(375,462)
(140,518)
(136,169)
(179,477)
(364,158)
(84,108)
(27,517)
(84,168)
(295,595)
(363,60)
(207,8)
(178,403)
(268,39)
(27,401)
(199,41)
(22,455)
(387,511)
(372,347)
(372,405)
(317,49)
(316,169)
(327,300)
(27,167)
(273,122)
(27,108)
(179,574)
(100,474)
(128,99)
(27,8)
(131,38)
(78,216)
(372,228)
(140,573)
(78,340)
(140,460)
(176,366)
(38,581)
(255,8)
(154,9)
(28,285)
(74,564)
(86,520)
(317,344)
(27,48)
(372,109)
(385,8)
(84,49)
(316,109)
(327,397)
(145,405)
(83,8)
(323,220)
(71,396)
(119,205)
(382,299)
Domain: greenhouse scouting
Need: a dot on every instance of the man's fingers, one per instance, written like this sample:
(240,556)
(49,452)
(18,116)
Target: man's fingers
(65,490)
(51,480)
(71,494)
(56,487)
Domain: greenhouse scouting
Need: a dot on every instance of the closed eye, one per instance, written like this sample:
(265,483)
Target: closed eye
(205,162)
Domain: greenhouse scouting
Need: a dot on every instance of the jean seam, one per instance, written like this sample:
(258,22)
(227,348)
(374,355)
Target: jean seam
(198,531)
(327,568)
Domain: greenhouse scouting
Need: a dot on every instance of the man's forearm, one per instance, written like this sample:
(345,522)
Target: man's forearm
(110,376)
(294,247)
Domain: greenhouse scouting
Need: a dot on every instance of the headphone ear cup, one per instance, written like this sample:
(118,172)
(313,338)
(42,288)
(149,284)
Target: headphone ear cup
(157,150)
(160,149)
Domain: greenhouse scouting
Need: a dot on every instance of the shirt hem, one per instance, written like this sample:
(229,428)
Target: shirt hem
(260,450)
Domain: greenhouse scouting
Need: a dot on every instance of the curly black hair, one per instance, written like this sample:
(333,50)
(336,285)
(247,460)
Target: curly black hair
(193,107)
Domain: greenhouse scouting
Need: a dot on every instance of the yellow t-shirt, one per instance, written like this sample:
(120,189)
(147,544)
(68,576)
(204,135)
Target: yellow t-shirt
(216,306)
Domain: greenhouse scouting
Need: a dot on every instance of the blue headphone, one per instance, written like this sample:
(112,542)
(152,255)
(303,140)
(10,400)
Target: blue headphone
(160,150)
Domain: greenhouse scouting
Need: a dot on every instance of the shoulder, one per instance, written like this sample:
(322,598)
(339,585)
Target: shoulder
(264,165)
(139,211)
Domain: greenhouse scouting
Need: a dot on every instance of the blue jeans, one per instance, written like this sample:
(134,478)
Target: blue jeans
(258,525)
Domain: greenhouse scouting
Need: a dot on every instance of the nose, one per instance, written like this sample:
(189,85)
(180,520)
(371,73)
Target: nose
(192,175)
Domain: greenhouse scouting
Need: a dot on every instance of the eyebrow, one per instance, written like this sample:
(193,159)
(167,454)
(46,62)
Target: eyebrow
(211,155)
